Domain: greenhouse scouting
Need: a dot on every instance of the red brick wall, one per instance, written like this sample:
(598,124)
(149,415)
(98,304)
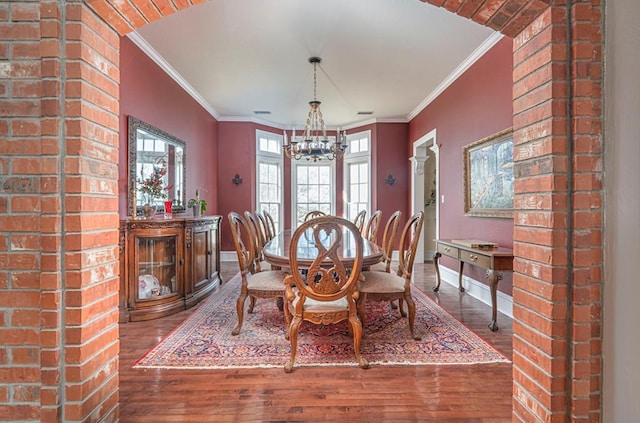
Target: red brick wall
(58,262)
(558,223)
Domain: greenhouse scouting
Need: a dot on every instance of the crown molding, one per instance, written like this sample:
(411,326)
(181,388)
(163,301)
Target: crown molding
(165,66)
(466,64)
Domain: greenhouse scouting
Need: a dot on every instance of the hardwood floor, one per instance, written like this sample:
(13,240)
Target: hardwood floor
(466,393)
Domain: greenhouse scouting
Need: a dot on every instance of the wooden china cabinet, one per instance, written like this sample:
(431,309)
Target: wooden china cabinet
(167,265)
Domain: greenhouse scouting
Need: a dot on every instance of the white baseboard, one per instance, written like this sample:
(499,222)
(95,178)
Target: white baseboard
(478,290)
(228,256)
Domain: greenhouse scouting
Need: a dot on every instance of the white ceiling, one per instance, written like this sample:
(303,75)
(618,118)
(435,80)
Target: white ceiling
(390,57)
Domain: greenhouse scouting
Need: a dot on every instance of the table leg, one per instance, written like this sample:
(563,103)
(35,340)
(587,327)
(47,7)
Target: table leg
(461,267)
(493,278)
(436,256)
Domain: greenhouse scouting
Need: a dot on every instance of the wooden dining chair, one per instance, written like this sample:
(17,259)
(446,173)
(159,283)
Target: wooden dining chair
(258,242)
(271,224)
(388,242)
(328,293)
(383,286)
(255,284)
(359,220)
(371,230)
(313,214)
(264,227)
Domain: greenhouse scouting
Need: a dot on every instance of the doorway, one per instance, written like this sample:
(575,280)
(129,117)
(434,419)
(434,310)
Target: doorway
(425,171)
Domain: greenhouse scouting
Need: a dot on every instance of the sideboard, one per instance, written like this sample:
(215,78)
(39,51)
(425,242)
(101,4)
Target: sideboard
(494,260)
(167,265)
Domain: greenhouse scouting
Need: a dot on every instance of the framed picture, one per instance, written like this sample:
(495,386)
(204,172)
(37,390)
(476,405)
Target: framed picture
(488,176)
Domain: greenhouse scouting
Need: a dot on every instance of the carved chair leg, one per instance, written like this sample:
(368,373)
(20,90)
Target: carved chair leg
(356,328)
(401,307)
(412,317)
(293,337)
(252,304)
(240,311)
(360,307)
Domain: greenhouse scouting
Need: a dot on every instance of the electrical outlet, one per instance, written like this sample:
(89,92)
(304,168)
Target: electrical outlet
(442,200)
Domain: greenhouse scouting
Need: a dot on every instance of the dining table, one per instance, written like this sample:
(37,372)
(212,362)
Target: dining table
(276,251)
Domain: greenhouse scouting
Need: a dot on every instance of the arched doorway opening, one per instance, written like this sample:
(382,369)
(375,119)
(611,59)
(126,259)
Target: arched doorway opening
(556,104)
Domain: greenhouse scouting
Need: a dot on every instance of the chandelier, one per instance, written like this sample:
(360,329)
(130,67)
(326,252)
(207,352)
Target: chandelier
(314,144)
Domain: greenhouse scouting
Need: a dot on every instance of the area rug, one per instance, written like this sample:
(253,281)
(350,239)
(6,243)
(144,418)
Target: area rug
(204,340)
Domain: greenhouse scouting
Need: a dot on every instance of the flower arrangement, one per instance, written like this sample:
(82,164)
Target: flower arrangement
(153,186)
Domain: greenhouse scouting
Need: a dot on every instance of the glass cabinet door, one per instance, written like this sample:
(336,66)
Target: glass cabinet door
(157,267)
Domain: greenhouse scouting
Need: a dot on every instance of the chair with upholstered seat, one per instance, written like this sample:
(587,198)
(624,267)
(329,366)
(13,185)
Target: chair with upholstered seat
(371,229)
(329,292)
(383,286)
(388,240)
(359,220)
(255,284)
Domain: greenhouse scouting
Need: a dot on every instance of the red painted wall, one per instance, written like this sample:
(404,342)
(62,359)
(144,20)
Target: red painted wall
(149,94)
(476,105)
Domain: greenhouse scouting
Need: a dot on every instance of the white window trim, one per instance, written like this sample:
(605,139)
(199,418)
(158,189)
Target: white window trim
(351,158)
(271,158)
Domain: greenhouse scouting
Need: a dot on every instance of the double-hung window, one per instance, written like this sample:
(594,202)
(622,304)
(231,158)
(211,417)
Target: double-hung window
(357,174)
(313,188)
(269,175)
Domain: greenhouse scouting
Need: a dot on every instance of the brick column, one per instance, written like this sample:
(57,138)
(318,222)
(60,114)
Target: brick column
(558,220)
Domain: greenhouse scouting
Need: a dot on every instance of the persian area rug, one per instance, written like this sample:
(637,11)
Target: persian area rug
(204,340)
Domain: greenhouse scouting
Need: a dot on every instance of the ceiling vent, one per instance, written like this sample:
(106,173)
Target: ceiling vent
(261,112)
(365,113)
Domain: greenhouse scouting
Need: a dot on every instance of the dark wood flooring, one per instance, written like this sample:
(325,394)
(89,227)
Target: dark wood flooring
(465,393)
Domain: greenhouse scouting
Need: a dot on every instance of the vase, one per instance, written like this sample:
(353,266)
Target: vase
(167,209)
(148,211)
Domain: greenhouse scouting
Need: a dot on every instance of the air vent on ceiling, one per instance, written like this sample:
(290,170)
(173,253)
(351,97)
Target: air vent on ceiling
(365,113)
(261,112)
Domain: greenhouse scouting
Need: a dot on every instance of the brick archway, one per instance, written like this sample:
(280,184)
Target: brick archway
(60,111)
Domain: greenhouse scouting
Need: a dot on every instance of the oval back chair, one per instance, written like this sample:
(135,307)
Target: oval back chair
(255,284)
(383,286)
(371,230)
(329,291)
(359,219)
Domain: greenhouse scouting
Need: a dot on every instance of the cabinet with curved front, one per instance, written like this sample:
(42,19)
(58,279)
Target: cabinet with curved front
(167,265)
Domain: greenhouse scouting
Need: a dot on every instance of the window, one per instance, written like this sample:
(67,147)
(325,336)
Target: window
(357,174)
(313,188)
(269,175)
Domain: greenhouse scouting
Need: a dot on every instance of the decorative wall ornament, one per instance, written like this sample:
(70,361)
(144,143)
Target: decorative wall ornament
(236,179)
(390,180)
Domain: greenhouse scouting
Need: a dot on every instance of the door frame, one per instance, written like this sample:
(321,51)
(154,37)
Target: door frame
(420,146)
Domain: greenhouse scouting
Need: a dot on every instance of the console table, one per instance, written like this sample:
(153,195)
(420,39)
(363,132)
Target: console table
(494,260)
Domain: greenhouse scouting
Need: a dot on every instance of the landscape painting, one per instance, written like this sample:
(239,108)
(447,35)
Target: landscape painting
(488,176)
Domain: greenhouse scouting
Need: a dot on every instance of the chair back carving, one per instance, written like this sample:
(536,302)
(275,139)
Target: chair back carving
(389,237)
(271,224)
(371,230)
(359,219)
(243,240)
(313,214)
(327,277)
(409,244)
(258,239)
(263,227)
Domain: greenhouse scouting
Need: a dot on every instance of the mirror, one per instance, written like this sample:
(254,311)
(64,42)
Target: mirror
(157,168)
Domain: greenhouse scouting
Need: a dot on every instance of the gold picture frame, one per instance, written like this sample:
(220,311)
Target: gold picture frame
(488,176)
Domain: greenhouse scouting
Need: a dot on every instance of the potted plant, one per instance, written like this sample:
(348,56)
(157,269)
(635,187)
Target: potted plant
(199,205)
